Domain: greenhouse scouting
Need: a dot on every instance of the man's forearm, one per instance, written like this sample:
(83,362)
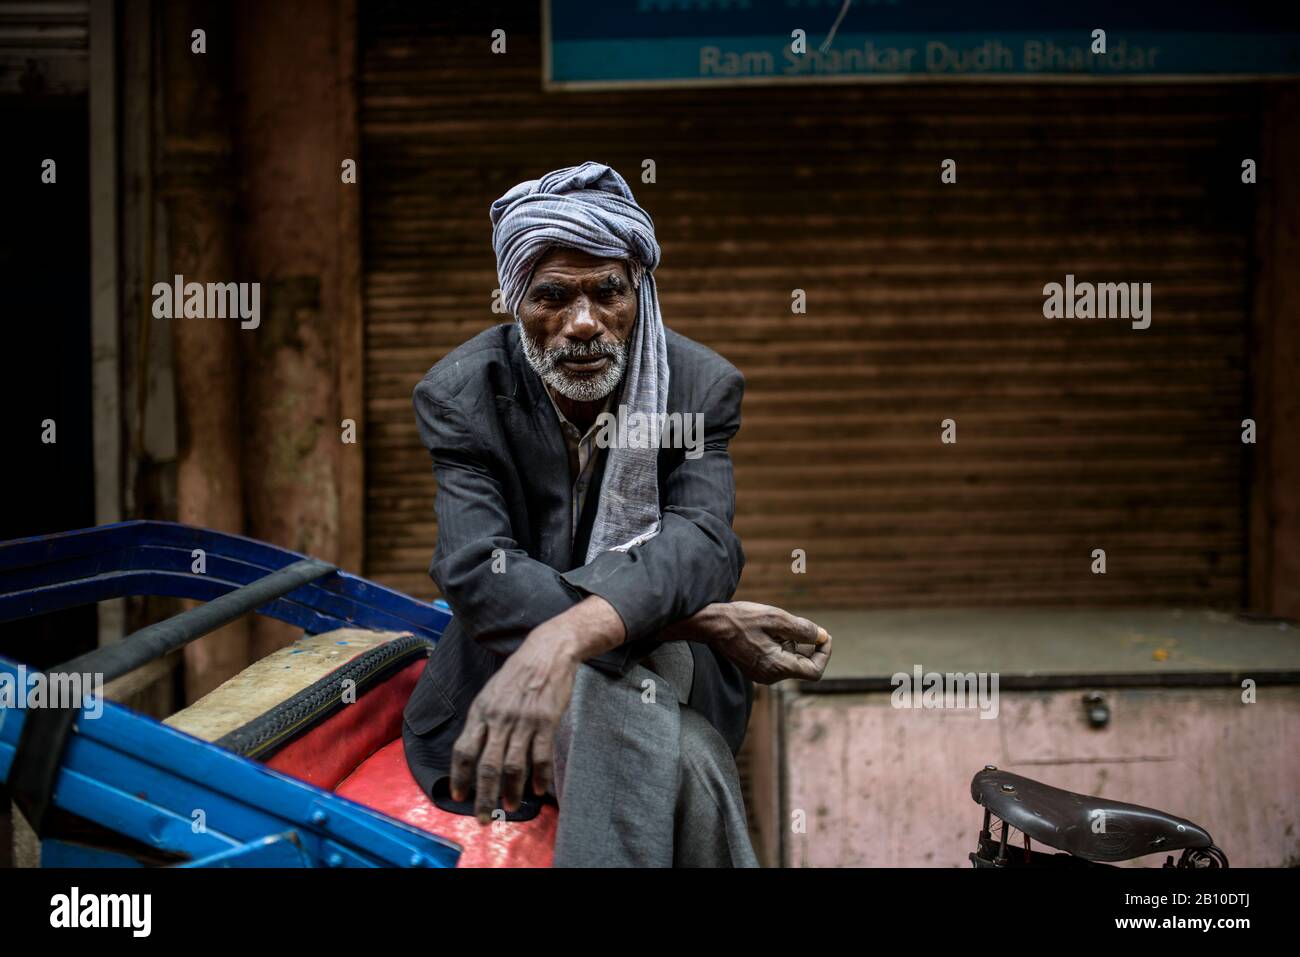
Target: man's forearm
(705,626)
(587,629)
(593,626)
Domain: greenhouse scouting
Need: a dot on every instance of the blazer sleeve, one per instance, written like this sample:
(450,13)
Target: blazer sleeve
(495,588)
(696,558)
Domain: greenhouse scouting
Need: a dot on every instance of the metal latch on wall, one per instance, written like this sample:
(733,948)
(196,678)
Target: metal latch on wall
(1096,709)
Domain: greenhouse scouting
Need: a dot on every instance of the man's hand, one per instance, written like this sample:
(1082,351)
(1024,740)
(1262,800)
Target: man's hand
(513,720)
(766,643)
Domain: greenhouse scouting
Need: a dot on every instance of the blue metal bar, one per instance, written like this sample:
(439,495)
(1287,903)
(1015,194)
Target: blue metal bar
(278,850)
(56,853)
(48,573)
(146,780)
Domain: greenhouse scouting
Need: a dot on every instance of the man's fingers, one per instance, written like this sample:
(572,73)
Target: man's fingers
(808,649)
(489,775)
(464,756)
(543,760)
(822,656)
(810,667)
(806,632)
(793,630)
(779,665)
(822,648)
(514,770)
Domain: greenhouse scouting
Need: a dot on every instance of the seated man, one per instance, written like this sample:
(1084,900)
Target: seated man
(594,653)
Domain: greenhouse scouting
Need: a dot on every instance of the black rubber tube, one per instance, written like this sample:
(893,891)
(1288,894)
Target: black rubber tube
(154,641)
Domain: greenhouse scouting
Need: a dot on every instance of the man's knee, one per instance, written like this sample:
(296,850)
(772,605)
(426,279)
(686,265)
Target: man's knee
(604,708)
(704,752)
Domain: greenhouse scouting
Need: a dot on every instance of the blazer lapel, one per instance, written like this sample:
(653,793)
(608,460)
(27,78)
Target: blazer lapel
(541,458)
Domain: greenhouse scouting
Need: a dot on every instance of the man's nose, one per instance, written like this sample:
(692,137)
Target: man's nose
(582,326)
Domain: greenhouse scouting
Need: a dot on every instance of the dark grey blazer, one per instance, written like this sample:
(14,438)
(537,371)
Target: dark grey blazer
(503,483)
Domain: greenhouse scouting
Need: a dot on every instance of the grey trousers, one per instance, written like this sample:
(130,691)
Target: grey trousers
(641,779)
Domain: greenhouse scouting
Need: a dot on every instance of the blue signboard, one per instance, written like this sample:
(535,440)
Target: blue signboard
(626,43)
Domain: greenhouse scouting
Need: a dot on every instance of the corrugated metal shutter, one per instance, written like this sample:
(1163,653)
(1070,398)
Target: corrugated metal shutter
(43,46)
(924,303)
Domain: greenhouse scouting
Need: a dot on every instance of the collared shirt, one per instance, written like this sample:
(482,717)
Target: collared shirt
(582,458)
(671,660)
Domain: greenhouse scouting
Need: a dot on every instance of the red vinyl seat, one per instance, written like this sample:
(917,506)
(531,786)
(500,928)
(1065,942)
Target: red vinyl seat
(357,753)
(384,782)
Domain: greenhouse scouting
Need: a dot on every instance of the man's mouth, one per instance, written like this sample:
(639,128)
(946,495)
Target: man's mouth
(586,364)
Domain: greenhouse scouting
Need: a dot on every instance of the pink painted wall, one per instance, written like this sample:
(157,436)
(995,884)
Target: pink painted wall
(891,788)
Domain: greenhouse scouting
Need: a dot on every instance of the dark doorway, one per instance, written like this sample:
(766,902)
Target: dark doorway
(45,265)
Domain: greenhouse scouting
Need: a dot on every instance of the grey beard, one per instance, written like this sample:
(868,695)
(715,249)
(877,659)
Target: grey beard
(546,363)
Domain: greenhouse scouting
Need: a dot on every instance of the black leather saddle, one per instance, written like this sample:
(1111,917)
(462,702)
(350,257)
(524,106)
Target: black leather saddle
(1087,827)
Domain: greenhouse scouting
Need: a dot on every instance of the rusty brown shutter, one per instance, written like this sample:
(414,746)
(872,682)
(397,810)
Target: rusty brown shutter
(924,303)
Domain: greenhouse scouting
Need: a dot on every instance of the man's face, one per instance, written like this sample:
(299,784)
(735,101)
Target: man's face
(577,315)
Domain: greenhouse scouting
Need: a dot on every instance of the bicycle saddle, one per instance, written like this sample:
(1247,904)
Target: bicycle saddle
(1091,828)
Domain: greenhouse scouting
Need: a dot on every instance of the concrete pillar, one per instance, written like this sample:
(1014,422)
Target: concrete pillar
(291,143)
(197,189)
